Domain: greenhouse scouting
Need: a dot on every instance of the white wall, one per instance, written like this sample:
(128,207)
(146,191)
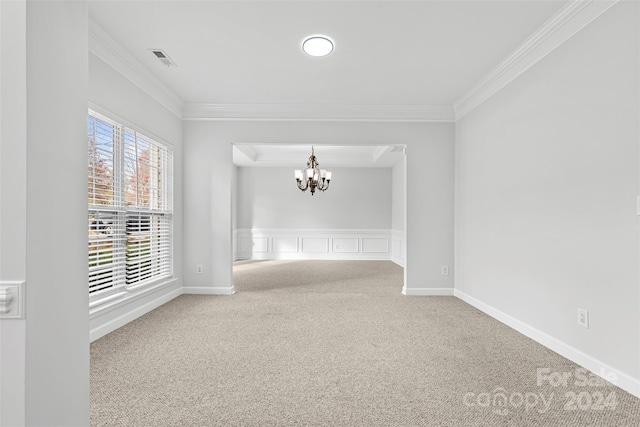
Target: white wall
(207,190)
(546,184)
(351,220)
(111,91)
(397,196)
(398,213)
(234,197)
(44,358)
(358,198)
(234,211)
(57,319)
(13,205)
(116,97)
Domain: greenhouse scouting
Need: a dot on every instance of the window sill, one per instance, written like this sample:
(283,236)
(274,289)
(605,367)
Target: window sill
(104,300)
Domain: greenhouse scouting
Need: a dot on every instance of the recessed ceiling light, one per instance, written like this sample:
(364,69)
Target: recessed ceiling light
(317,46)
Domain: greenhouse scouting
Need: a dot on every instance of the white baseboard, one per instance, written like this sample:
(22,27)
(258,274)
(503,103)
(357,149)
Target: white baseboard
(112,325)
(203,290)
(307,257)
(624,381)
(428,291)
(128,315)
(398,261)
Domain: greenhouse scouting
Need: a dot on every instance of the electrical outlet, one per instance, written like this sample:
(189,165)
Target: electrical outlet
(445,270)
(583,318)
(199,268)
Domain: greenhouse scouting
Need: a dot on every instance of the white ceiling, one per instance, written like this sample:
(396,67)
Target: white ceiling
(387,52)
(400,54)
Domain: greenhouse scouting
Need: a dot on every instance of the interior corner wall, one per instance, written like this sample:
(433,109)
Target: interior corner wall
(547,175)
(358,198)
(113,95)
(208,204)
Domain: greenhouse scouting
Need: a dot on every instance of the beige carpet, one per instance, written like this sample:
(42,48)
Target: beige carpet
(334,343)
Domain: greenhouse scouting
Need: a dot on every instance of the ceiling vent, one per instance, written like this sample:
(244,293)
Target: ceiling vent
(163,57)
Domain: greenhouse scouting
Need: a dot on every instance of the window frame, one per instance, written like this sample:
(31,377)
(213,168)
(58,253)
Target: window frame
(119,208)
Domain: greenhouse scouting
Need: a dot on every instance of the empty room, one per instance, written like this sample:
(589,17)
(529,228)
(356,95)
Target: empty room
(320,213)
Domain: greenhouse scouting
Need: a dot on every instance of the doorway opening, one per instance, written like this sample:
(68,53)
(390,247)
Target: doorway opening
(362,216)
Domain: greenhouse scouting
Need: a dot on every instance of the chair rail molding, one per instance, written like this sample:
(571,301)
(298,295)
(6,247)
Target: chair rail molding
(12,301)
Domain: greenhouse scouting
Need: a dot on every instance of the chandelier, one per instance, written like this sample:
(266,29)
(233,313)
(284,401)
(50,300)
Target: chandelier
(313,177)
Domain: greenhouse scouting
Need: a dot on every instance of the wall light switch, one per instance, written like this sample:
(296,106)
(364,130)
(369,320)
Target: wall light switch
(445,270)
(199,269)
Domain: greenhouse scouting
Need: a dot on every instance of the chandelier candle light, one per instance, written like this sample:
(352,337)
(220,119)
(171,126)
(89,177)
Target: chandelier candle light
(313,177)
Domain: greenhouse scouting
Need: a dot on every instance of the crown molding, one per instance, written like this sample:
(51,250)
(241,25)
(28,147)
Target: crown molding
(115,55)
(558,29)
(563,25)
(320,112)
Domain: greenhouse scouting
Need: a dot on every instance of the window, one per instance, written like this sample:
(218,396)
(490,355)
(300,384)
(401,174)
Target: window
(130,189)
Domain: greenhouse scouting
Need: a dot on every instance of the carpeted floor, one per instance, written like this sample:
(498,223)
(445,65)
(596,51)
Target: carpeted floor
(334,343)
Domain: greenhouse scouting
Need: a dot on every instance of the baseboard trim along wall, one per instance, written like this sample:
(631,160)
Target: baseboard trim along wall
(319,244)
(623,380)
(202,290)
(427,291)
(113,315)
(106,321)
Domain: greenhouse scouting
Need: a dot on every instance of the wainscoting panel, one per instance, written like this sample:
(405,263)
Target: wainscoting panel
(398,247)
(345,245)
(315,245)
(285,244)
(253,244)
(319,244)
(375,245)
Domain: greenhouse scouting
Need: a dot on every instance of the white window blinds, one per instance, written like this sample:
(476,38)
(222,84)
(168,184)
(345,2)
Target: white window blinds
(130,207)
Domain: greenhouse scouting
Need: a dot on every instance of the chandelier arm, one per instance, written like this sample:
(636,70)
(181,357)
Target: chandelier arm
(325,185)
